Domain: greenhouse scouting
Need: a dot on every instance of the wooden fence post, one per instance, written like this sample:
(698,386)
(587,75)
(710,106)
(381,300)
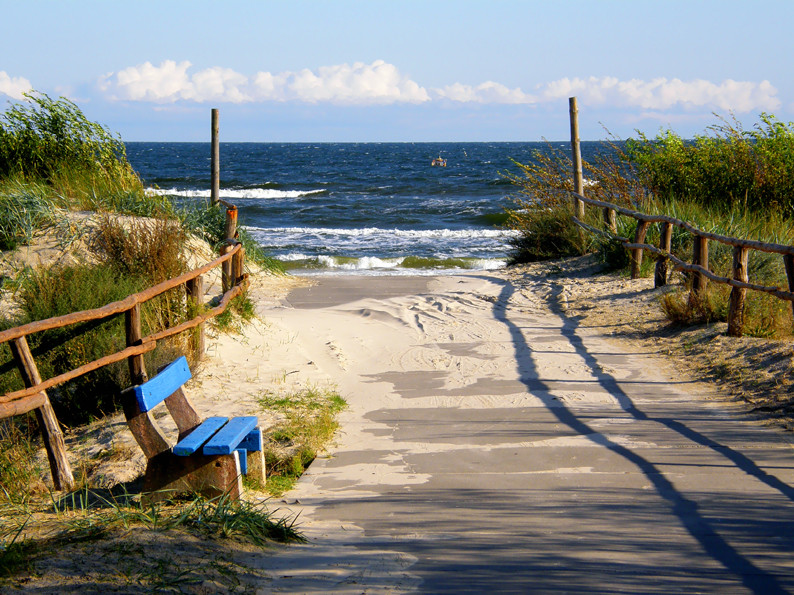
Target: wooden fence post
(700,256)
(636,253)
(231,222)
(576,155)
(237,265)
(231,230)
(226,268)
(665,240)
(736,309)
(134,334)
(610,220)
(215,161)
(195,295)
(788,259)
(51,433)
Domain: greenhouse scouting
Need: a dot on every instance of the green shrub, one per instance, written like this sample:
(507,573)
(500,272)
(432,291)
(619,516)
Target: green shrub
(62,290)
(152,249)
(40,136)
(309,423)
(544,204)
(728,167)
(545,234)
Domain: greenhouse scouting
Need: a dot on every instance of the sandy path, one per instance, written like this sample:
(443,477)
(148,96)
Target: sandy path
(492,444)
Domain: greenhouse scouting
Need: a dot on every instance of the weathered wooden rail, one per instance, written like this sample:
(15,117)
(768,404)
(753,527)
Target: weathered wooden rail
(34,396)
(699,266)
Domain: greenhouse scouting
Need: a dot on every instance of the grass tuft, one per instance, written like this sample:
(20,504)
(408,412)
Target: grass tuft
(309,423)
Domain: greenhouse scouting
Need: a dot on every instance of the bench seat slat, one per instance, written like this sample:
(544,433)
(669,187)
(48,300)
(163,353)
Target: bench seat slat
(155,391)
(228,437)
(194,441)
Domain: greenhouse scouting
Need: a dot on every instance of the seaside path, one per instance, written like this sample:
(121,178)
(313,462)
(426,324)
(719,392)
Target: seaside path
(493,444)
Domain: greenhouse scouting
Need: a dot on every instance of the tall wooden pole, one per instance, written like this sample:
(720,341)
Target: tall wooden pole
(576,156)
(215,177)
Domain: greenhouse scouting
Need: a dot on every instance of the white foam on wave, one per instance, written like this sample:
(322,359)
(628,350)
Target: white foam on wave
(245,193)
(399,233)
(329,264)
(361,264)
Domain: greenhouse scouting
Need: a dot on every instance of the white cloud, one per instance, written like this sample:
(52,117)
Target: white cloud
(378,82)
(360,83)
(383,83)
(14,87)
(487,92)
(662,94)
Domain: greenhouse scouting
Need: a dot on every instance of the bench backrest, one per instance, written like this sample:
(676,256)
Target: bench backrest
(155,391)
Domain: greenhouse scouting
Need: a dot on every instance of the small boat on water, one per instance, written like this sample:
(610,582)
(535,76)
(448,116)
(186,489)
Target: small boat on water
(439,162)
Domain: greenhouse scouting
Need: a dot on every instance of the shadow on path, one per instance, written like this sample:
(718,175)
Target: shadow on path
(685,509)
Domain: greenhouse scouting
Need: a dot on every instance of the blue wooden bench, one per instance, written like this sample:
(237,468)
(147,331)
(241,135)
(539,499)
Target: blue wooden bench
(209,456)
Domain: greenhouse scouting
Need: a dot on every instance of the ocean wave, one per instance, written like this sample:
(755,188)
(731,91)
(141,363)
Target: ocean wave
(242,193)
(308,264)
(398,233)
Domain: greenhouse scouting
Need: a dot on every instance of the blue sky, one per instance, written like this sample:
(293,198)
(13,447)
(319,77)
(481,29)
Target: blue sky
(402,70)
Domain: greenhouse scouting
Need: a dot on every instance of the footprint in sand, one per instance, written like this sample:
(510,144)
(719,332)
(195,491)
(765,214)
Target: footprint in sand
(338,353)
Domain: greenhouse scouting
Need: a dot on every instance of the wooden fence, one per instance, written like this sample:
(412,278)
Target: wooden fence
(699,267)
(34,396)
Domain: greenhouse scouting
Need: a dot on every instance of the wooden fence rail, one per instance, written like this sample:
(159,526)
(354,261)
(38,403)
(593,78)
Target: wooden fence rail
(699,266)
(34,396)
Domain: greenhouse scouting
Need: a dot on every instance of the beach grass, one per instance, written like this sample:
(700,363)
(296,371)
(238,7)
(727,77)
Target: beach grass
(308,422)
(87,521)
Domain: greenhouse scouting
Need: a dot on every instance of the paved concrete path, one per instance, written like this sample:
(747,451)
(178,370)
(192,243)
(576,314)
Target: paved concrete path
(586,469)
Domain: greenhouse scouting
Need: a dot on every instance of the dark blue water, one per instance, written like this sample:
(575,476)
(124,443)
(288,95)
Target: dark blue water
(354,206)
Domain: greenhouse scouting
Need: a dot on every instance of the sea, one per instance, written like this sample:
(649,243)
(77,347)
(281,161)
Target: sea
(363,208)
